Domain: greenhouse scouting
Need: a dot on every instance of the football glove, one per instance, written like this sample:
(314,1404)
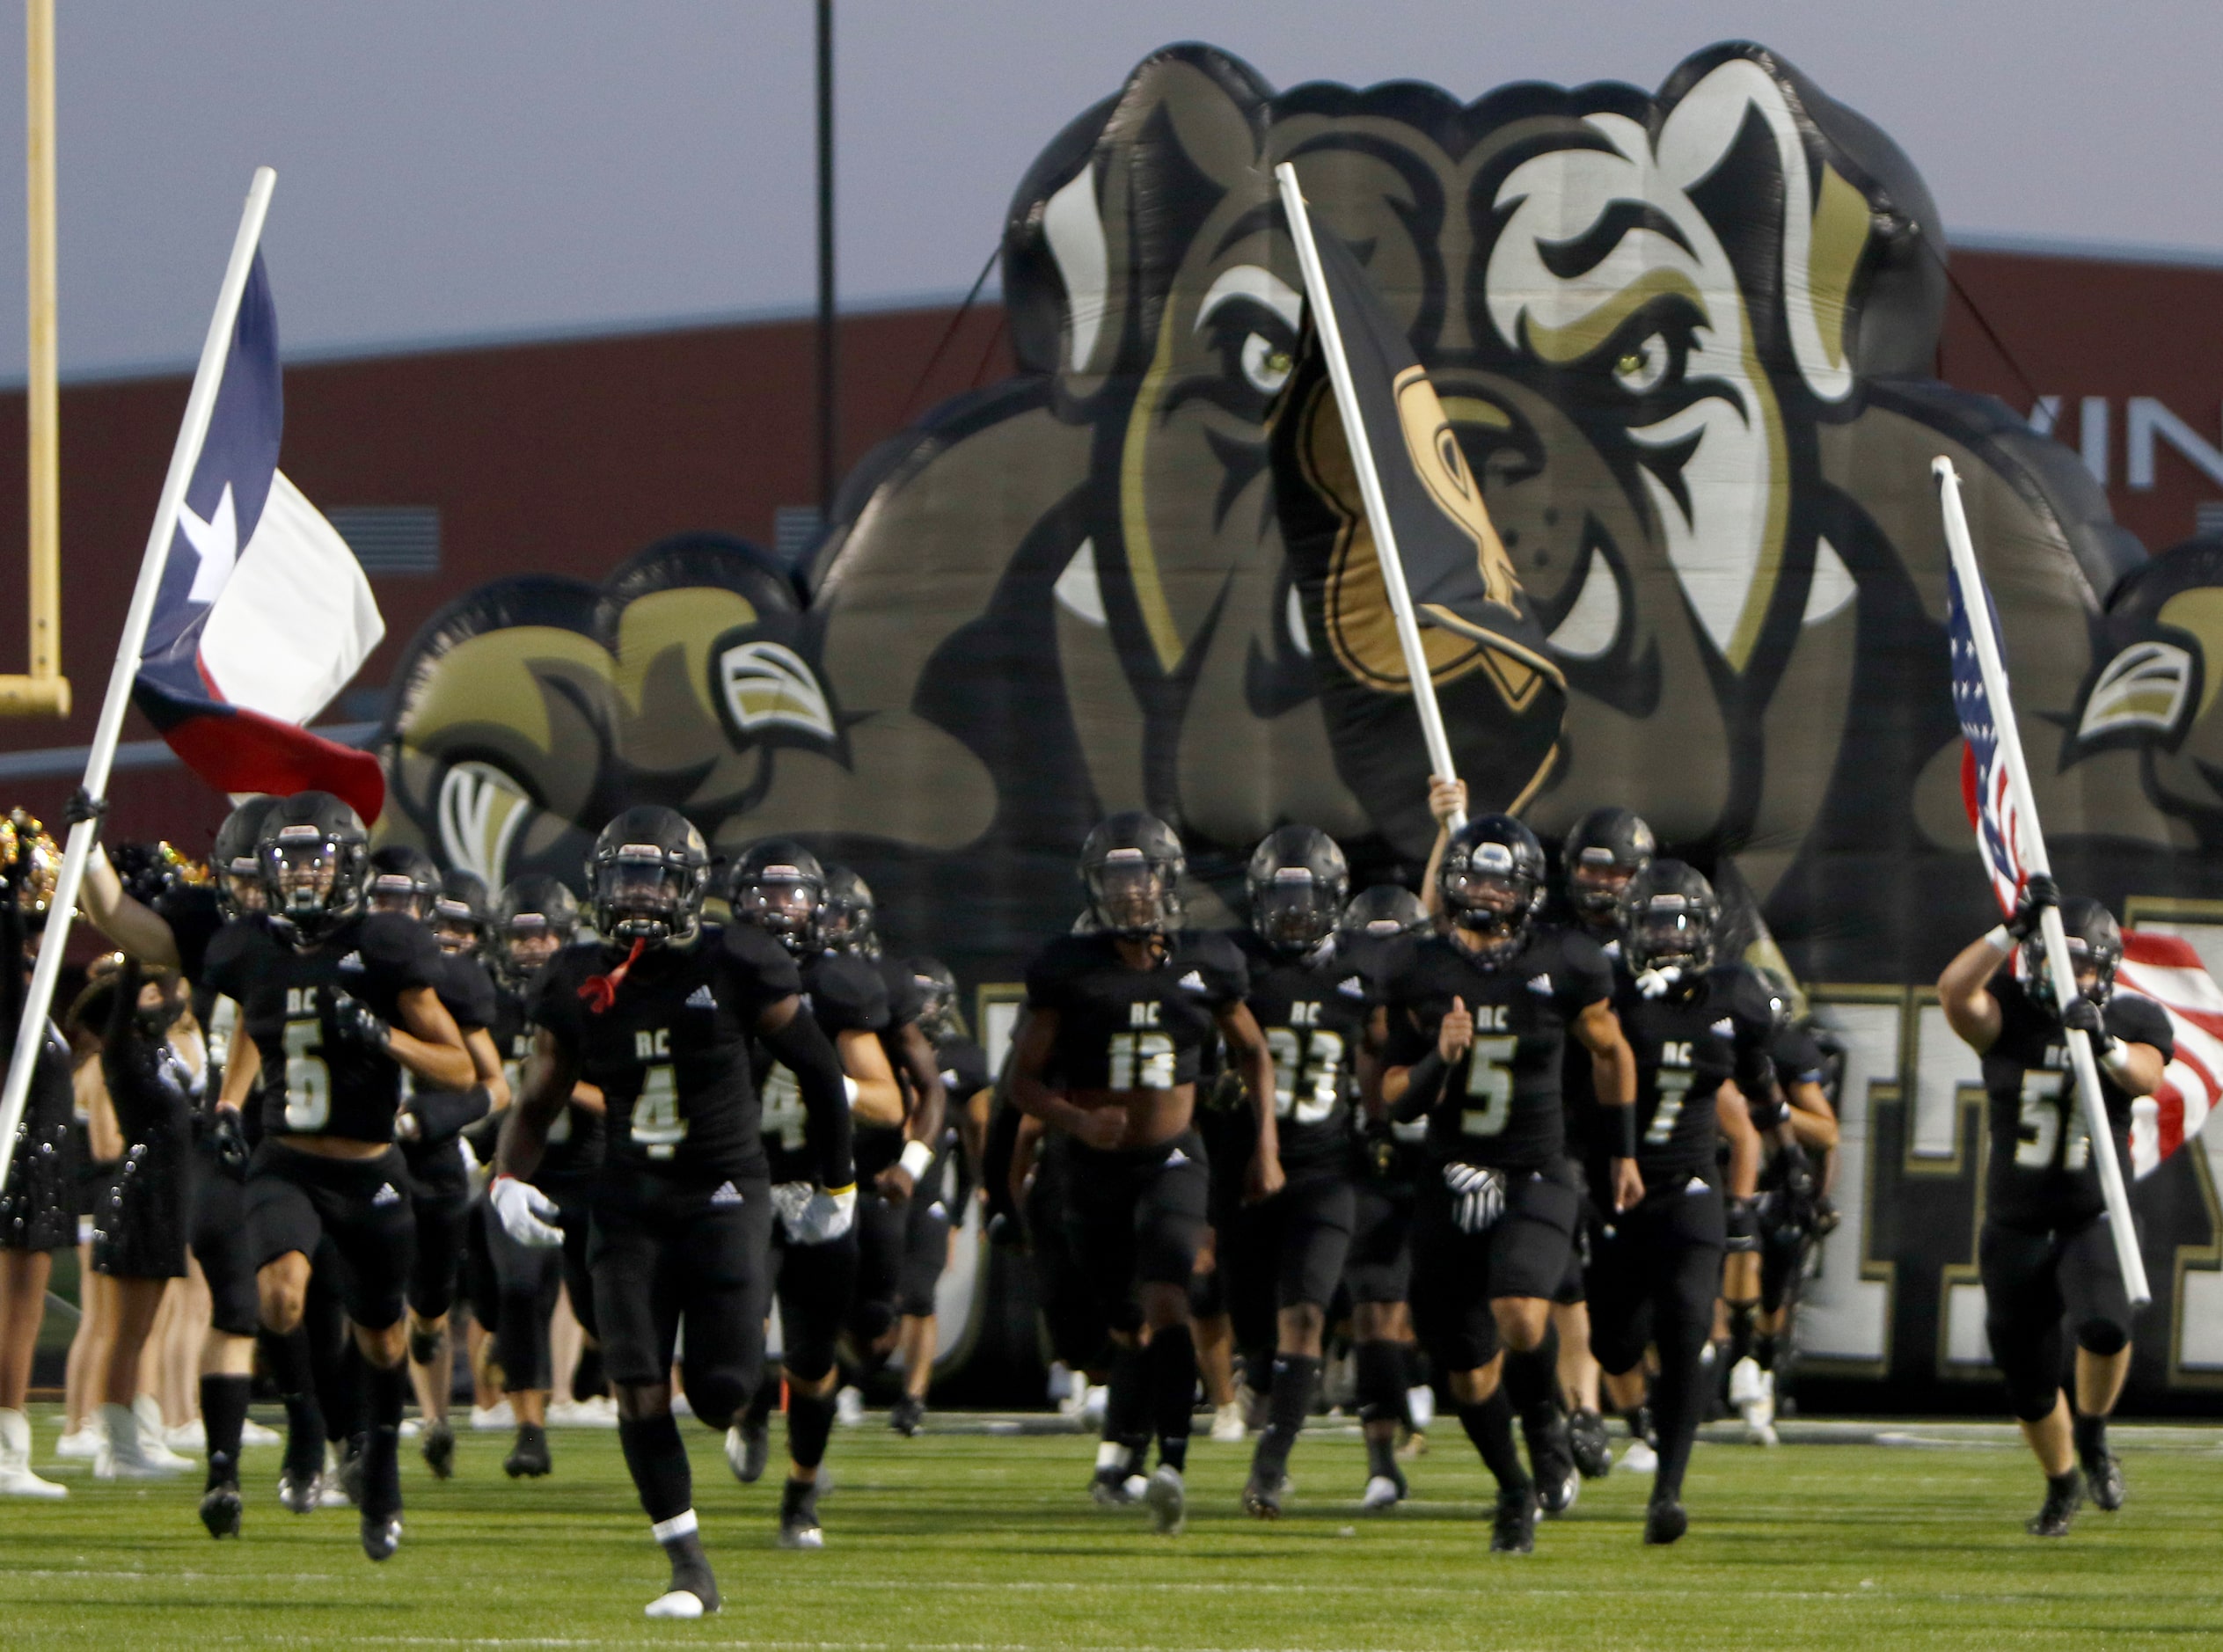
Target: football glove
(2083,1015)
(525,1213)
(823,1217)
(2038,893)
(1654,983)
(356,1022)
(1743,1225)
(1477,1197)
(231,1146)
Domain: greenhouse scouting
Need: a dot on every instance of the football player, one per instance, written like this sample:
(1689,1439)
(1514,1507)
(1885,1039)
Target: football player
(1702,1038)
(1478,1022)
(337,1004)
(659,1012)
(779,890)
(2046,1253)
(1107,1056)
(1286,1254)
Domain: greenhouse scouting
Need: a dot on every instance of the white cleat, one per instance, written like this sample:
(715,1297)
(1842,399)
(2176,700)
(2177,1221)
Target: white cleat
(1227,1423)
(253,1433)
(849,1407)
(1743,1382)
(1638,1458)
(1381,1493)
(1093,1401)
(1420,1402)
(677,1603)
(1760,1410)
(1168,1502)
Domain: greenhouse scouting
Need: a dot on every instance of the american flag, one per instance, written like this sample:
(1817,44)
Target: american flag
(1984,787)
(2166,970)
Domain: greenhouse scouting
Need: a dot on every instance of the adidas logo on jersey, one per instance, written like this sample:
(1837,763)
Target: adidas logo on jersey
(949,1078)
(385,1195)
(1177,1157)
(1194,981)
(1540,983)
(726,1193)
(700,999)
(1723,1027)
(1351,987)
(1698,1185)
(352,963)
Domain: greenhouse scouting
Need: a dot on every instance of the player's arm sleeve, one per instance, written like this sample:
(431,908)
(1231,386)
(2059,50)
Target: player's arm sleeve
(847,995)
(1226,972)
(2137,1020)
(1589,974)
(444,1114)
(800,1044)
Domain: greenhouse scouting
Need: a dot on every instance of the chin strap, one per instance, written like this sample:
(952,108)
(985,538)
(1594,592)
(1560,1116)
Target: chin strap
(601,991)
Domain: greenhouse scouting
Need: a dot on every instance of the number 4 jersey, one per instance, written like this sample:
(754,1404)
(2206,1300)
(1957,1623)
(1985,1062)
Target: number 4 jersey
(2039,1174)
(1501,1103)
(1312,1010)
(312,1083)
(1120,1028)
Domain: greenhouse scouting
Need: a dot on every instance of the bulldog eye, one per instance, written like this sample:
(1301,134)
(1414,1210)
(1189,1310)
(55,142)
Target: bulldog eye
(1642,366)
(1266,363)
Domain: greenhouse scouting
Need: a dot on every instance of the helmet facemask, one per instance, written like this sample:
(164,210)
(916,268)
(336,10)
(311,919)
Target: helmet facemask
(1293,913)
(311,881)
(785,902)
(399,893)
(1133,896)
(1670,932)
(1596,882)
(1487,894)
(641,894)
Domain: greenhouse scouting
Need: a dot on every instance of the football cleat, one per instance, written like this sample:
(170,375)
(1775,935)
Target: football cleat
(1552,1460)
(748,1448)
(1664,1521)
(2063,1498)
(529,1458)
(1262,1499)
(849,1406)
(300,1493)
(351,1468)
(676,1602)
(380,1535)
(799,1517)
(1227,1423)
(1514,1529)
(1114,1487)
(1587,1439)
(220,1507)
(2104,1474)
(1639,1457)
(907,1415)
(1168,1502)
(1383,1491)
(437,1441)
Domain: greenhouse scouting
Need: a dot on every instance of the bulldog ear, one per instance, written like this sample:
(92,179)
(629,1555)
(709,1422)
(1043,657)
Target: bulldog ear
(1100,225)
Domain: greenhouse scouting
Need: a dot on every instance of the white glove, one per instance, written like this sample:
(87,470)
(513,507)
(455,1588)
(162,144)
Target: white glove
(1477,1197)
(824,1216)
(525,1211)
(475,1169)
(1652,983)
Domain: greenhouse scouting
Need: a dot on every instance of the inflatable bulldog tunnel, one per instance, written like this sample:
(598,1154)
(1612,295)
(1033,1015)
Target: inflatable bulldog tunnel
(1685,340)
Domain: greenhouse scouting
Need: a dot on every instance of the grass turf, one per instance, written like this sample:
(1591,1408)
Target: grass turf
(968,1543)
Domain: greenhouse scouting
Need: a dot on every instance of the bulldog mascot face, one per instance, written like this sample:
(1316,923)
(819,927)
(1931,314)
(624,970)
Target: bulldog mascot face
(1681,343)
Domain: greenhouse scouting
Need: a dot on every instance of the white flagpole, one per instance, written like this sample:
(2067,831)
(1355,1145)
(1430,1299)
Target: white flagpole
(1369,483)
(200,405)
(2031,840)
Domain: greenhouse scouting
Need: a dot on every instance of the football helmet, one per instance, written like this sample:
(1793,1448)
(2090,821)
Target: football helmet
(1608,848)
(1491,878)
(534,919)
(1132,865)
(1383,910)
(1669,914)
(939,1016)
(846,917)
(402,880)
(459,913)
(232,859)
(2094,946)
(646,877)
(312,853)
(1299,882)
(779,887)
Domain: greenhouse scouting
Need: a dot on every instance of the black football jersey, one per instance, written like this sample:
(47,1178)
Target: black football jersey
(2039,1173)
(575,1136)
(1684,1048)
(1501,1104)
(964,1070)
(671,1054)
(1134,1029)
(1586,1135)
(1798,1058)
(846,994)
(314,1084)
(1313,1010)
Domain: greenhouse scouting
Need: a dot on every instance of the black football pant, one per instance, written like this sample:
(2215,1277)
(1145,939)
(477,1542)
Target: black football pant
(926,1239)
(1137,1217)
(2040,1287)
(816,1286)
(297,1200)
(880,1229)
(220,1245)
(1654,1272)
(664,1252)
(1457,1276)
(1072,1316)
(526,1281)
(1286,1252)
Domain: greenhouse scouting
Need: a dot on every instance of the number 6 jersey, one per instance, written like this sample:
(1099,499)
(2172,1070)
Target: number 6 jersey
(2039,1175)
(1134,1029)
(1501,1103)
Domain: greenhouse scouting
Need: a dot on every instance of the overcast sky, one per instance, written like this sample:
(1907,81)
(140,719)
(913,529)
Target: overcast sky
(478,168)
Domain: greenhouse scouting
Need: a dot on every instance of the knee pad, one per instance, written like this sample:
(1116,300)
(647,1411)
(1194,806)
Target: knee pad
(2032,1377)
(2103,1337)
(718,1395)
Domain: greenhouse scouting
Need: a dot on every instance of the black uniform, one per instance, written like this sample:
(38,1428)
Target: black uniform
(939,1202)
(141,1224)
(440,1179)
(2046,1253)
(315,1083)
(1509,1233)
(681,1210)
(818,1283)
(1798,1059)
(1291,1249)
(1136,1216)
(883,1227)
(39,1203)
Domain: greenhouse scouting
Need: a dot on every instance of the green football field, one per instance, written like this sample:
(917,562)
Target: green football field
(969,1542)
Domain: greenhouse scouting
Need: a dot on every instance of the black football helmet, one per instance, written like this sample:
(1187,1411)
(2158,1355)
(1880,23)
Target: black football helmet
(1608,848)
(313,853)
(847,917)
(1378,913)
(779,887)
(2094,946)
(1299,882)
(402,880)
(238,873)
(1491,878)
(534,919)
(1669,914)
(1131,867)
(939,1016)
(459,912)
(646,877)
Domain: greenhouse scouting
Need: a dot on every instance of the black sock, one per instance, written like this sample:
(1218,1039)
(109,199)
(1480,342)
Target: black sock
(1295,1378)
(1381,1456)
(1532,1379)
(1379,1368)
(2090,1434)
(1172,1361)
(682,1543)
(385,1391)
(810,1421)
(1740,1332)
(342,1389)
(223,1415)
(2064,1482)
(1641,1427)
(658,1462)
(588,1382)
(285,1356)
(1490,1426)
(1763,1350)
(1127,1404)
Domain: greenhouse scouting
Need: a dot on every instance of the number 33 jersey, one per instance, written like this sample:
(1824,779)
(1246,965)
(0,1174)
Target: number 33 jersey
(2039,1174)
(1312,1010)
(313,1083)
(1501,1103)
(671,1054)
(1724,1028)
(1134,1029)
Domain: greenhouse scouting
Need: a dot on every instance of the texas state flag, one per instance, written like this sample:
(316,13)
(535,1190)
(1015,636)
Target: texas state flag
(263,614)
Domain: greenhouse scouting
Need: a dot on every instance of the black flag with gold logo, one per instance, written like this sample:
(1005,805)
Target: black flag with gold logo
(1500,694)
